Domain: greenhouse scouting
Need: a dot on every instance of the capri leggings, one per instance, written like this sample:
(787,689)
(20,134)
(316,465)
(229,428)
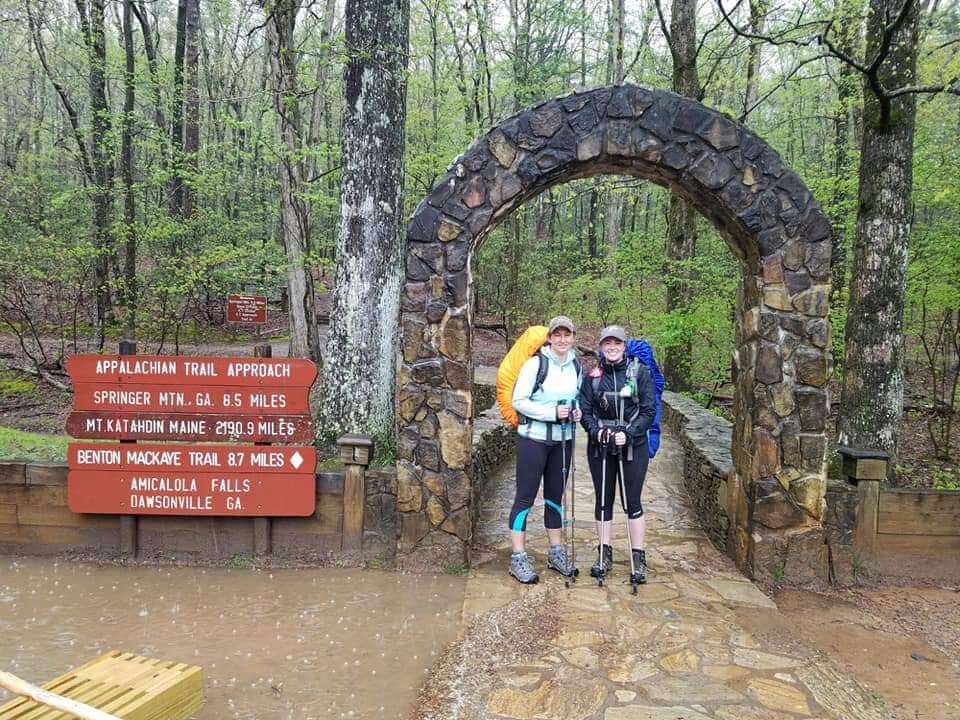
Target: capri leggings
(635,471)
(537,459)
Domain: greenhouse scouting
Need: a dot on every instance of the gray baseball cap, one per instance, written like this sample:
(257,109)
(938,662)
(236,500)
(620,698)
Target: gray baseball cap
(561,321)
(613,331)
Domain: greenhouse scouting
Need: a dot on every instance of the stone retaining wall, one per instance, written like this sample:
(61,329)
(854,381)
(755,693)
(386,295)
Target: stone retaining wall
(493,445)
(484,398)
(707,462)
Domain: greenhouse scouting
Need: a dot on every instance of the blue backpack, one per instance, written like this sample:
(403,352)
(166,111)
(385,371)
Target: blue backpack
(641,350)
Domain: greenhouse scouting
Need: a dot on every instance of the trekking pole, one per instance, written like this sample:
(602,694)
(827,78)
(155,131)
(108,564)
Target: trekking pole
(573,499)
(623,504)
(603,499)
(563,487)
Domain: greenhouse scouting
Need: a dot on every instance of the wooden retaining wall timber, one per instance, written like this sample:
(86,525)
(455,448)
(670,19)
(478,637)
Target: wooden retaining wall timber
(35,520)
(918,532)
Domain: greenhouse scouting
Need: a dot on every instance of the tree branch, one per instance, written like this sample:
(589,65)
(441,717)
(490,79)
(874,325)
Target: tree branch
(72,115)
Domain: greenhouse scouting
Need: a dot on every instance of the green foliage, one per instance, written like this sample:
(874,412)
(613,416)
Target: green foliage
(14,384)
(32,447)
(242,561)
(379,561)
(945,478)
(859,567)
(456,569)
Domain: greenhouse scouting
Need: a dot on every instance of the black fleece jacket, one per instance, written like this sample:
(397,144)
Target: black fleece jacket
(594,407)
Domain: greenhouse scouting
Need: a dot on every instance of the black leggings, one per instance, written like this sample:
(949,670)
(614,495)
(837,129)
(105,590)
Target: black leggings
(537,459)
(635,471)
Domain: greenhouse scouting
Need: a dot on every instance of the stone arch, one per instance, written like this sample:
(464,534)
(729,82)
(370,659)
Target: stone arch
(767,216)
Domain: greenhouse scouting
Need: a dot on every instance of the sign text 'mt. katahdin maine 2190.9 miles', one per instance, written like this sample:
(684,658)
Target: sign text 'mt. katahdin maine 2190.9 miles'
(132,397)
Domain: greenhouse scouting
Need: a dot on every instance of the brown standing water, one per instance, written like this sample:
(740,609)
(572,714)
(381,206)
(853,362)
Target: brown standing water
(315,643)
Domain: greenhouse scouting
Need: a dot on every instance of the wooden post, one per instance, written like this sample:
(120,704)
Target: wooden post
(128,523)
(865,469)
(356,451)
(262,526)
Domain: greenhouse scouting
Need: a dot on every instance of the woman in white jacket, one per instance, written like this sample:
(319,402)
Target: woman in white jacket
(546,402)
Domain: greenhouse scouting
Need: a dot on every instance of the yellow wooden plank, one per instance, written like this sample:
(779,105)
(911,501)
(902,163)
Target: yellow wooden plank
(165,690)
(130,686)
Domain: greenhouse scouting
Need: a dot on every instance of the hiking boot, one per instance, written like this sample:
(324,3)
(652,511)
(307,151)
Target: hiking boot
(639,576)
(603,564)
(522,569)
(557,560)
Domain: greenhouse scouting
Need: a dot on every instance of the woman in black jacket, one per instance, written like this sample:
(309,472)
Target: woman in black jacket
(619,404)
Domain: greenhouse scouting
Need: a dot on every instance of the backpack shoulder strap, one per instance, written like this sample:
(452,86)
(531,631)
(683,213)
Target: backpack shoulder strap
(541,372)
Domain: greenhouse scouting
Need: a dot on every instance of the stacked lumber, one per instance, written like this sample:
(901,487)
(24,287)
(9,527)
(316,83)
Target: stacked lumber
(123,685)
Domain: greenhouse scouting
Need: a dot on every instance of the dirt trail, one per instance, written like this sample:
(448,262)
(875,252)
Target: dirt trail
(885,638)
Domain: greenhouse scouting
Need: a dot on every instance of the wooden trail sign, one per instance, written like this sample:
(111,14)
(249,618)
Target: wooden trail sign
(190,426)
(191,479)
(155,397)
(180,370)
(200,398)
(247,308)
(192,458)
(132,492)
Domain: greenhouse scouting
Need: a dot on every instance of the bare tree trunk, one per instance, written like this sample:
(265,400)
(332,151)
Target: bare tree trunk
(191,129)
(682,223)
(849,31)
(319,108)
(126,169)
(294,212)
(615,198)
(101,160)
(872,398)
(364,317)
(150,39)
(175,192)
(758,12)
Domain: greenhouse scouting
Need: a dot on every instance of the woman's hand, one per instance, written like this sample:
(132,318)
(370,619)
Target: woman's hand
(620,438)
(576,414)
(563,412)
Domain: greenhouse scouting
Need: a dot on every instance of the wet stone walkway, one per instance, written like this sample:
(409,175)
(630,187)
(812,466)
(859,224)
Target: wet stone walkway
(674,651)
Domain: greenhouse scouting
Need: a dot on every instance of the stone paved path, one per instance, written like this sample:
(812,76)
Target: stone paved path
(674,651)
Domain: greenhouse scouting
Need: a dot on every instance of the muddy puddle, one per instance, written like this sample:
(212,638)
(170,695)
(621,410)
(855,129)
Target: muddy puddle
(318,643)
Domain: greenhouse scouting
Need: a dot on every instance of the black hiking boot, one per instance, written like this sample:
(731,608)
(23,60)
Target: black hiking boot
(639,575)
(601,567)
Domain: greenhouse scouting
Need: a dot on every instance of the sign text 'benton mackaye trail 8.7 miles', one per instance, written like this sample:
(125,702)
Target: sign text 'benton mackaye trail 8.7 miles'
(197,399)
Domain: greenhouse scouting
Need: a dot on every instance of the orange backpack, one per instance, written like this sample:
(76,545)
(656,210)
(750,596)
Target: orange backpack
(526,346)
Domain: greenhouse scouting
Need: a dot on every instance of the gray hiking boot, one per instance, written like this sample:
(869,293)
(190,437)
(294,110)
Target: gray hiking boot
(522,569)
(557,560)
(603,564)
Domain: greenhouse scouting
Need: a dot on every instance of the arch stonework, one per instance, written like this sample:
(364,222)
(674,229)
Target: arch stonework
(771,223)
